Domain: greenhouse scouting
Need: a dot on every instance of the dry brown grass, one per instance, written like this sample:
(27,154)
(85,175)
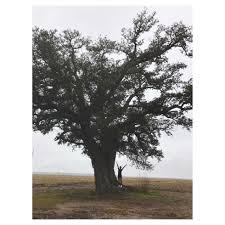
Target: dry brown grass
(74,197)
(61,179)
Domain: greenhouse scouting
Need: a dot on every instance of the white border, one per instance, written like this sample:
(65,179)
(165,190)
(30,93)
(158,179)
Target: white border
(15,40)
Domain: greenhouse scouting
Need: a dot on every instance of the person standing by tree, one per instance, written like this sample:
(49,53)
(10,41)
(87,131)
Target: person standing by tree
(120,169)
(99,103)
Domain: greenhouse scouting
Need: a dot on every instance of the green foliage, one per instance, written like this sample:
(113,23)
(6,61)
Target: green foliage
(94,92)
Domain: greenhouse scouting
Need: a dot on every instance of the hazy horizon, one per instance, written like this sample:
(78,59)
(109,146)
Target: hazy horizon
(92,175)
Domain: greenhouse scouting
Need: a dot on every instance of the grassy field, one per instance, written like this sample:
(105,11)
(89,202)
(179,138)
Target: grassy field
(73,197)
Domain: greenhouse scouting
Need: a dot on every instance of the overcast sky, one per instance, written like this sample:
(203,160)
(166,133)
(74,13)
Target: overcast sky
(108,21)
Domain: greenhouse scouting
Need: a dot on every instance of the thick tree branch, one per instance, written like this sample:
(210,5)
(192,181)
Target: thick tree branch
(149,56)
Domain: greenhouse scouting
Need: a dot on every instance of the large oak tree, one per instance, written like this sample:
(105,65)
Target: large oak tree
(111,97)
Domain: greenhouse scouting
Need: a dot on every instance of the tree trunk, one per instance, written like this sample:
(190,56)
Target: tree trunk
(103,164)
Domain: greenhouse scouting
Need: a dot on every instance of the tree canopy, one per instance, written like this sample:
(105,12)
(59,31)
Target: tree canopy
(126,93)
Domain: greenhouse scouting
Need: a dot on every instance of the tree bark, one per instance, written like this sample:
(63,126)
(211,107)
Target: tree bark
(105,178)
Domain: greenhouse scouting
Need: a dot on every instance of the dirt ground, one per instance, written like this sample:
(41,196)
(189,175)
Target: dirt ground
(73,197)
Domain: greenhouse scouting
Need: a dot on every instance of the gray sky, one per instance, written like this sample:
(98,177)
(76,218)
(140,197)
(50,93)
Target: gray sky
(95,21)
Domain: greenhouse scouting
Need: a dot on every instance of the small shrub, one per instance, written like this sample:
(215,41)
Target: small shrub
(143,184)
